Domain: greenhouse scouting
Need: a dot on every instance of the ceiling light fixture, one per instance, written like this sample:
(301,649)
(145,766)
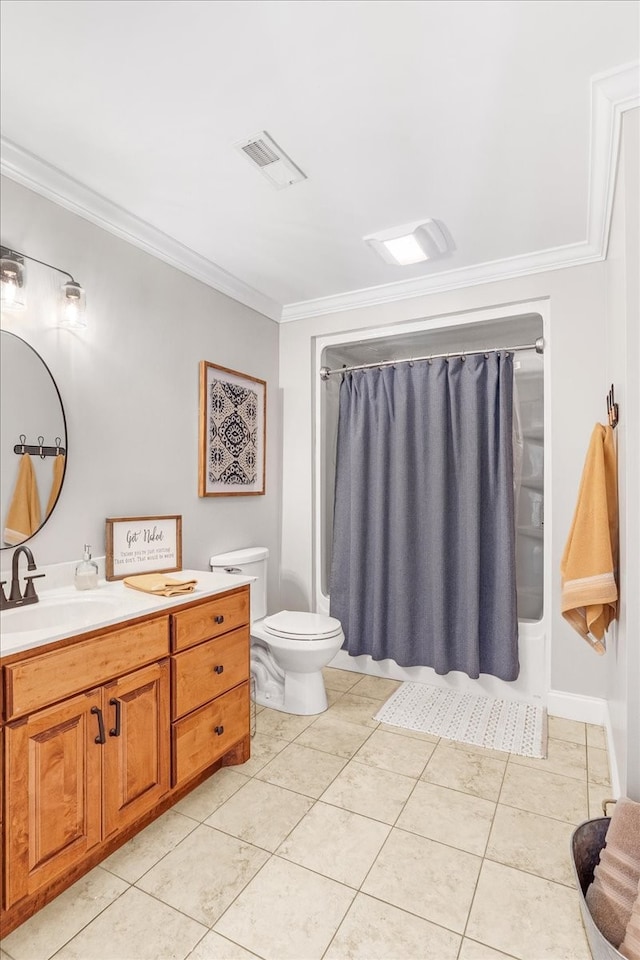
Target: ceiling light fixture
(412,242)
(13,288)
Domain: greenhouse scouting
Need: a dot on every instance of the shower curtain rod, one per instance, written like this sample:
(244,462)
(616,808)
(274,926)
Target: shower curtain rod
(538,346)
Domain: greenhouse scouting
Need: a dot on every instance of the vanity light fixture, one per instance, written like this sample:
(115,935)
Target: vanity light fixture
(412,242)
(12,288)
(13,282)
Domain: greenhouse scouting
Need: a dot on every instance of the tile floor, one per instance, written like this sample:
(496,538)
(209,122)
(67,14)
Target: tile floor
(345,839)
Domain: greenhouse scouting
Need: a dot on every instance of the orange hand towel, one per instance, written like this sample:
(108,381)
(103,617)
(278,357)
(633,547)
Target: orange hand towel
(160,585)
(56,483)
(23,515)
(588,566)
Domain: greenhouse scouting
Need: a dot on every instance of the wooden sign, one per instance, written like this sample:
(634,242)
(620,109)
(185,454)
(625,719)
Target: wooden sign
(142,545)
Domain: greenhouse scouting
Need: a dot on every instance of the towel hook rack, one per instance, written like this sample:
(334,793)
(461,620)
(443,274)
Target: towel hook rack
(39,449)
(612,409)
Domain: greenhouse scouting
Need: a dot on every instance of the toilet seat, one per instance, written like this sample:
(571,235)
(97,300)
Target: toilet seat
(298,625)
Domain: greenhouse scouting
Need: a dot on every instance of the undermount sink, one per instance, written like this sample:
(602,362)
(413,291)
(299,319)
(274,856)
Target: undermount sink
(72,612)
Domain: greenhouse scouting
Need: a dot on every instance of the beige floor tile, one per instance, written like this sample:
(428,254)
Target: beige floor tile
(597,794)
(336,843)
(334,736)
(204,873)
(352,709)
(264,748)
(426,878)
(332,695)
(474,748)
(260,813)
(302,770)
(64,917)
(598,766)
(532,843)
(451,817)
(378,688)
(404,732)
(472,950)
(215,947)
(398,754)
(284,726)
(201,802)
(140,853)
(572,730)
(563,757)
(374,793)
(548,794)
(526,916)
(377,931)
(341,680)
(596,736)
(286,913)
(465,771)
(135,926)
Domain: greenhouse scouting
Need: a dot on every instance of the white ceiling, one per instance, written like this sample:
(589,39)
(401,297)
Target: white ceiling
(475,113)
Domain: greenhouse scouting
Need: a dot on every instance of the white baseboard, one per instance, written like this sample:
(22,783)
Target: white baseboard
(572,706)
(614,770)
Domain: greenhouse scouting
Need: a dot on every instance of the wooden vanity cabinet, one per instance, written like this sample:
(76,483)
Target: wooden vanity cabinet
(104,733)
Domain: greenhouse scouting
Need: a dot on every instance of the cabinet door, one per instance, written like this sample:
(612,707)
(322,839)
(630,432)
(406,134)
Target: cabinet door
(136,756)
(53,792)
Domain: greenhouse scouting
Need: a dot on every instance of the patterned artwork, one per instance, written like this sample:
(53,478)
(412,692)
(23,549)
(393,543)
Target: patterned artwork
(232,431)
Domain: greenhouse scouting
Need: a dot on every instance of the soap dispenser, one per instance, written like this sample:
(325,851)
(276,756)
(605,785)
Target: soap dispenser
(86,575)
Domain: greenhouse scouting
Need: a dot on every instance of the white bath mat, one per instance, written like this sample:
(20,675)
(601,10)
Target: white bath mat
(507,725)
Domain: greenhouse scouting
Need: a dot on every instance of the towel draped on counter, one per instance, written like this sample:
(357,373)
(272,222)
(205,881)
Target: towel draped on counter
(160,585)
(589,562)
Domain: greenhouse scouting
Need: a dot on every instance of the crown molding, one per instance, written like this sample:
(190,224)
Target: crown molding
(50,182)
(611,94)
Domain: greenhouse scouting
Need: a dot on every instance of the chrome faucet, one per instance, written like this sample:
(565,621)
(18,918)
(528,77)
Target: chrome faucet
(16,598)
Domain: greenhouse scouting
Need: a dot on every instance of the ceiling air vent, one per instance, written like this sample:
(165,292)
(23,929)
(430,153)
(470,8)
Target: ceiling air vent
(271,161)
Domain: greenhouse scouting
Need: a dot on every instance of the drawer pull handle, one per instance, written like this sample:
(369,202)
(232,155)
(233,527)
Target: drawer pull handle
(218,619)
(218,730)
(101,737)
(218,669)
(115,731)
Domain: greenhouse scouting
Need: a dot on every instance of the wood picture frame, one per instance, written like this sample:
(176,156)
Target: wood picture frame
(142,545)
(233,433)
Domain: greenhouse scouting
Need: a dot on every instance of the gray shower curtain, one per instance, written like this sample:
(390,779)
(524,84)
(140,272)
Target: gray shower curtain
(423,563)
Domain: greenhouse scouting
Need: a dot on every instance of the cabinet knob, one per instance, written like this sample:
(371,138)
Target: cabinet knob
(218,730)
(218,669)
(218,619)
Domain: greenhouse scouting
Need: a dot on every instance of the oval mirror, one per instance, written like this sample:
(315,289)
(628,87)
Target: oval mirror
(32,419)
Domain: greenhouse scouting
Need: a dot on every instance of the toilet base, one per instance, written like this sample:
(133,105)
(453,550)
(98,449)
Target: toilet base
(302,694)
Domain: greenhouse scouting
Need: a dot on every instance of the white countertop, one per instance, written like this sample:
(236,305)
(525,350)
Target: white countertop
(65,612)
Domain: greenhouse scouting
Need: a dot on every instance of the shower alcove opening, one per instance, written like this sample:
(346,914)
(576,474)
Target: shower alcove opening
(497,328)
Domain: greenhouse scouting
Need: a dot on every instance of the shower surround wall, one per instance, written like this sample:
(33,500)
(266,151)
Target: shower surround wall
(421,339)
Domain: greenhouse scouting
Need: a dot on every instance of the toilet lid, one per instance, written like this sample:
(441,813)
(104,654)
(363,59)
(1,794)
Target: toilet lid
(295,625)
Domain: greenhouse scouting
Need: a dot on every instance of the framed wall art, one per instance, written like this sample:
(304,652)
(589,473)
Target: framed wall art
(233,422)
(142,545)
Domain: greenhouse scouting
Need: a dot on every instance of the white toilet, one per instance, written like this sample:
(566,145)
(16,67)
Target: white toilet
(288,649)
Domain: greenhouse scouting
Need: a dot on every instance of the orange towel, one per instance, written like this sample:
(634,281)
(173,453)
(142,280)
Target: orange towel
(56,483)
(588,566)
(160,585)
(23,515)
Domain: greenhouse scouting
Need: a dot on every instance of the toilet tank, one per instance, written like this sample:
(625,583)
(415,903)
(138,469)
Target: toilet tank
(251,562)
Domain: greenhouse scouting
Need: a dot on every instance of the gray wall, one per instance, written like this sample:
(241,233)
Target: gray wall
(129,383)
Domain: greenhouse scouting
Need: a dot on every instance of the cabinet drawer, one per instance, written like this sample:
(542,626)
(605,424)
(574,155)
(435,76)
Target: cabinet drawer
(204,672)
(195,742)
(39,681)
(210,619)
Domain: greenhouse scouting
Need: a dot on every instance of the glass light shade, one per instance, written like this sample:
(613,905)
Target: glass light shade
(12,281)
(73,304)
